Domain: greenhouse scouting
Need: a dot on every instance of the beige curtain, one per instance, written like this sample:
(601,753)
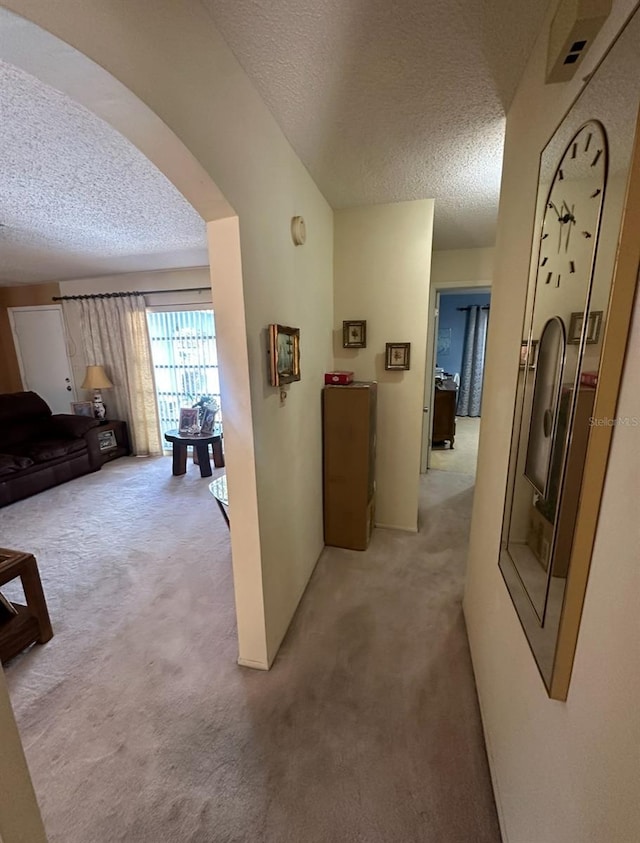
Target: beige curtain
(114,332)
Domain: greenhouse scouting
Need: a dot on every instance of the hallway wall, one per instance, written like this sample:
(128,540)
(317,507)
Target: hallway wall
(562,772)
(382,269)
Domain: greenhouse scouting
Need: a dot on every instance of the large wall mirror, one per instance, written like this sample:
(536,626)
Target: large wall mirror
(575,329)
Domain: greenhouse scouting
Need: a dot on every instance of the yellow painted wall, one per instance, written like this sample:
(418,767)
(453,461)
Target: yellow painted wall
(565,772)
(462,267)
(19,816)
(382,268)
(17,296)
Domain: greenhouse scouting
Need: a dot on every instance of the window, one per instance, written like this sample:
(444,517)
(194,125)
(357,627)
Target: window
(185,361)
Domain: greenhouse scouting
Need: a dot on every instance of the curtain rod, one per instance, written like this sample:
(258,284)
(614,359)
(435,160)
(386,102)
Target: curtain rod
(130,293)
(483,307)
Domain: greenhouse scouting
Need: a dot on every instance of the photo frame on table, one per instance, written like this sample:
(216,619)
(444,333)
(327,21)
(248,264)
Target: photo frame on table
(208,420)
(594,323)
(82,408)
(397,356)
(188,420)
(354,333)
(284,354)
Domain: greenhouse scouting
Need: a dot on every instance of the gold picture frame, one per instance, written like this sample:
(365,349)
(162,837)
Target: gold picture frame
(284,354)
(354,333)
(397,357)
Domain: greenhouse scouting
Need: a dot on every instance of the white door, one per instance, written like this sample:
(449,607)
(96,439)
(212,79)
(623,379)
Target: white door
(41,347)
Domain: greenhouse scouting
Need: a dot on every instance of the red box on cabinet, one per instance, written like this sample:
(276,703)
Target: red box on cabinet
(338,378)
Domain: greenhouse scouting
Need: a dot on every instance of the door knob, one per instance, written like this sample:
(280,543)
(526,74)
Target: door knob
(425,409)
(68,389)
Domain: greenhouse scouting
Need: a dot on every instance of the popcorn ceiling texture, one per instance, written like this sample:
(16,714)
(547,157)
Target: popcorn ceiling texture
(77,199)
(388,101)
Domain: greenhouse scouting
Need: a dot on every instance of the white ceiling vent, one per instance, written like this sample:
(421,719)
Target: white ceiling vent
(573,29)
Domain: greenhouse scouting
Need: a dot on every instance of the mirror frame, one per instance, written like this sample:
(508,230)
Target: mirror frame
(624,283)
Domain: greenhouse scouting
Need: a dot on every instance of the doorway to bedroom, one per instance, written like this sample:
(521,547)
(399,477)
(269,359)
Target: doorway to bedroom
(460,336)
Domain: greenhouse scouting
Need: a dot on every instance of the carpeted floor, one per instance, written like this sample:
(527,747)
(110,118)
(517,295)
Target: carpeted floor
(140,727)
(463,456)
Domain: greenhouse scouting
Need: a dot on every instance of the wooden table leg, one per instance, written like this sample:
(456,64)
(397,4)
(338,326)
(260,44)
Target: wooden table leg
(218,455)
(179,458)
(202,450)
(36,602)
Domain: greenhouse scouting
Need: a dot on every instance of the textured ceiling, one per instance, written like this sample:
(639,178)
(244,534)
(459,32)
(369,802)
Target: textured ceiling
(388,101)
(77,199)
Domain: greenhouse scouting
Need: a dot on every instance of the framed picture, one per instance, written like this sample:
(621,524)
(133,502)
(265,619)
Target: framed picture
(397,356)
(284,354)
(188,420)
(594,323)
(208,420)
(444,341)
(533,353)
(82,408)
(354,334)
(107,440)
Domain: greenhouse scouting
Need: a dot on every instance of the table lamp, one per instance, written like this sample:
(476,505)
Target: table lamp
(97,380)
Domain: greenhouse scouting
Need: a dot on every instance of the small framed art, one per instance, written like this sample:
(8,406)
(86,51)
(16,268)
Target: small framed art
(397,356)
(528,357)
(594,323)
(82,408)
(354,334)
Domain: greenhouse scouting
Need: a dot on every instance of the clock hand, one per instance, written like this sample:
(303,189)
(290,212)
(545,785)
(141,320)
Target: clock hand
(571,219)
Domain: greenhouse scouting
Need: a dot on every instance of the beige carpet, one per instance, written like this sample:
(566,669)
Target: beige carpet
(140,727)
(464,455)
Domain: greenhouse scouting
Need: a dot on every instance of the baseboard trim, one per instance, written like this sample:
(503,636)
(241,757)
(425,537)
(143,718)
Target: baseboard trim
(255,665)
(397,527)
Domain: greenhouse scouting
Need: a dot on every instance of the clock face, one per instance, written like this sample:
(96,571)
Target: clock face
(572,212)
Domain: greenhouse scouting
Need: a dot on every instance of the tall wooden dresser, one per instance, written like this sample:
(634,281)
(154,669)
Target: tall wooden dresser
(349,442)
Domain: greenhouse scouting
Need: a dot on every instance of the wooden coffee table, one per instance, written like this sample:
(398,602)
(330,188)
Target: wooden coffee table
(31,625)
(200,443)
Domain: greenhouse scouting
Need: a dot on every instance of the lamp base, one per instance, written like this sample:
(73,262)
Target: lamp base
(99,409)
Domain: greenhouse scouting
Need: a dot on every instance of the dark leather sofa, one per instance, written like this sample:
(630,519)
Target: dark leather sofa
(39,450)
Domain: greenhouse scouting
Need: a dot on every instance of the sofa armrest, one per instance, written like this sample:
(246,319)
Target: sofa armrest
(73,426)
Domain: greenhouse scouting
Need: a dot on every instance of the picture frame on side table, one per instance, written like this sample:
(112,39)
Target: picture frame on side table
(208,421)
(82,408)
(397,356)
(188,420)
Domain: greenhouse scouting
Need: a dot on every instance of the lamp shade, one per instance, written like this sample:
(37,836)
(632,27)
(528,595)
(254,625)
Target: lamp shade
(96,378)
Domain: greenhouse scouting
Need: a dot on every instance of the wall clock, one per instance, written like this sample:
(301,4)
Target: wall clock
(572,211)
(583,268)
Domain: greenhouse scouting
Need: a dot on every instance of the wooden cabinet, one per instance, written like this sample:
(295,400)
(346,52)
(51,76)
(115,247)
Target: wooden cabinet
(444,415)
(349,442)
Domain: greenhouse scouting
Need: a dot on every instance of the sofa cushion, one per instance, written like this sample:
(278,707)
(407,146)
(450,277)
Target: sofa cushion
(10,463)
(24,416)
(50,449)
